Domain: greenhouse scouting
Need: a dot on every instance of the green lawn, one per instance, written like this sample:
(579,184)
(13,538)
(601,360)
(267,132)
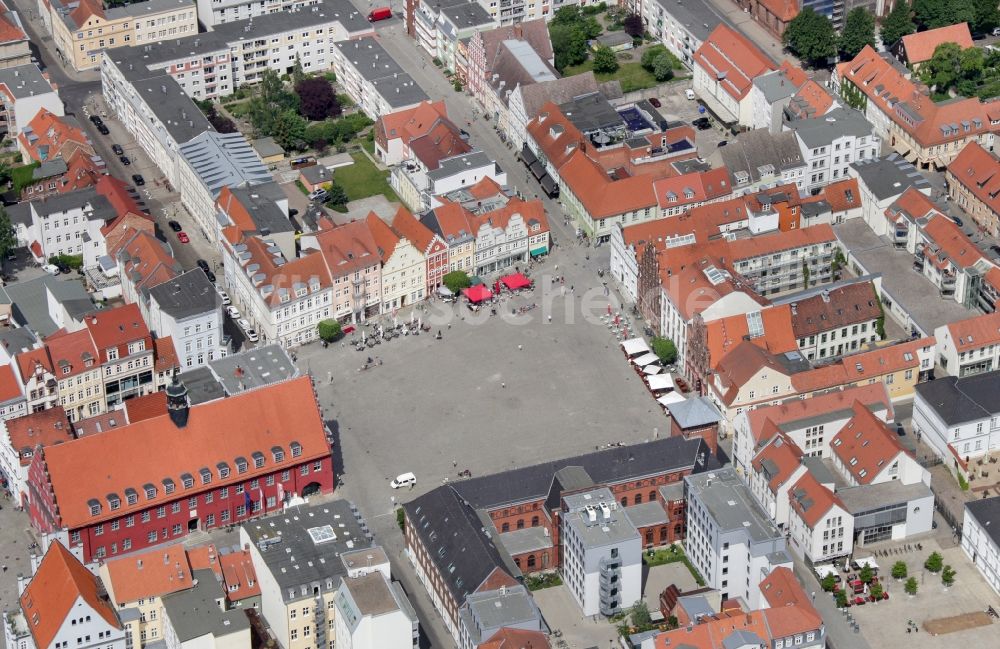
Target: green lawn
(631,75)
(363,179)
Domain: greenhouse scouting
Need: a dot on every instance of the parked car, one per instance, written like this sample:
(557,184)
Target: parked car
(381,13)
(175,226)
(722,143)
(233,312)
(226,300)
(102,129)
(96,119)
(138,180)
(702,123)
(183,237)
(690,94)
(51,269)
(403,480)
(957,221)
(124,159)
(252,335)
(202,264)
(655,102)
(117,148)
(210,275)
(318,195)
(244,324)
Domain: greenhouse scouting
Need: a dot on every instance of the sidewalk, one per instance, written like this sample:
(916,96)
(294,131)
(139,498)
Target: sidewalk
(767,42)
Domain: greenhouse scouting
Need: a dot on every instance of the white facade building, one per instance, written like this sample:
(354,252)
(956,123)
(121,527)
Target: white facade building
(217,12)
(830,143)
(372,78)
(371,613)
(959,418)
(969,346)
(602,562)
(188,309)
(24,92)
(730,540)
(63,224)
(981,539)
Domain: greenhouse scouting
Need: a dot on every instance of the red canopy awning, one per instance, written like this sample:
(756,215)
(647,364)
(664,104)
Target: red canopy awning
(515,281)
(477,293)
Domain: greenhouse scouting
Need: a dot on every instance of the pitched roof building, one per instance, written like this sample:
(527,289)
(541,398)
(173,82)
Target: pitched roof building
(974,184)
(919,47)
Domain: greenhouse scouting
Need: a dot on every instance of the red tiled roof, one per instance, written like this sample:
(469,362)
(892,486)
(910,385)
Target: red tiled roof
(416,232)
(155,573)
(811,500)
(27,361)
(348,248)
(953,246)
(385,239)
(43,428)
(410,123)
(556,136)
(921,45)
(866,445)
(729,57)
(53,591)
(978,170)
(842,195)
(10,389)
(9,32)
(443,141)
(146,406)
(838,307)
(724,334)
(511,638)
(887,359)
(239,576)
(783,457)
(116,328)
(151,450)
(205,557)
(85,11)
(975,332)
(72,353)
(696,187)
(52,137)
(601,196)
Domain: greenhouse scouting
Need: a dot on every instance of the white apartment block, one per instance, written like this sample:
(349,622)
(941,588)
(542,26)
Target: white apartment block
(373,79)
(730,540)
(959,418)
(830,143)
(970,346)
(188,309)
(372,613)
(63,224)
(216,12)
(681,26)
(602,553)
(981,539)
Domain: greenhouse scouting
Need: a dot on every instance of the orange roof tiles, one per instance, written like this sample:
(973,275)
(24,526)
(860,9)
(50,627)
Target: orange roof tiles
(866,445)
(978,171)
(385,238)
(146,406)
(783,457)
(909,106)
(842,195)
(348,248)
(52,136)
(811,500)
(155,573)
(28,361)
(205,557)
(43,428)
(416,232)
(53,591)
(533,212)
(116,328)
(602,197)
(239,575)
(724,334)
(410,123)
(781,588)
(444,140)
(286,276)
(511,638)
(556,136)
(9,32)
(769,244)
(952,244)
(784,414)
(811,100)
(883,360)
(86,10)
(72,353)
(696,187)
(150,450)
(10,389)
(729,57)
(920,46)
(165,354)
(975,332)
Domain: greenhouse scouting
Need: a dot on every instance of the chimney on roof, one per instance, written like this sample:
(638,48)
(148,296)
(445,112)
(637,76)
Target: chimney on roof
(177,402)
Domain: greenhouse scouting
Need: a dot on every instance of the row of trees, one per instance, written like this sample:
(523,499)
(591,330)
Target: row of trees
(283,114)
(811,36)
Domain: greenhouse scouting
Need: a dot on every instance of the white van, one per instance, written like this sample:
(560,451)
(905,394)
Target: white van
(689,94)
(403,480)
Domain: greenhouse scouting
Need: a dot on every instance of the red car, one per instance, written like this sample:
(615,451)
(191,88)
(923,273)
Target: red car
(183,237)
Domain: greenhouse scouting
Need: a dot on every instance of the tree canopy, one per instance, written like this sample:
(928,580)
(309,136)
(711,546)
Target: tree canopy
(633,25)
(663,67)
(859,30)
(951,67)
(8,239)
(604,60)
(569,31)
(811,37)
(317,101)
(456,280)
(897,24)
(665,349)
(328,330)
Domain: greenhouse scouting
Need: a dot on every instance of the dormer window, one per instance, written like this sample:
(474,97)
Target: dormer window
(296,449)
(187,480)
(112,353)
(150,491)
(131,496)
(168,486)
(223,470)
(278,453)
(258,459)
(206,475)
(241,465)
(136,347)
(95,507)
(114,502)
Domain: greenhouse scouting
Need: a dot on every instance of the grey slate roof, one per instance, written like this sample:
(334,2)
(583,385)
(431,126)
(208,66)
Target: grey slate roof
(24,81)
(378,67)
(889,176)
(101,209)
(186,295)
(697,16)
(30,301)
(606,466)
(957,401)
(371,594)
(224,160)
(758,148)
(467,15)
(267,147)
(457,164)
(494,609)
(822,131)
(17,339)
(295,560)
(775,86)
(456,541)
(201,384)
(558,91)
(316,174)
(529,539)
(260,202)
(717,489)
(253,368)
(865,498)
(591,112)
(646,514)
(694,412)
(987,513)
(49,168)
(194,612)
(171,105)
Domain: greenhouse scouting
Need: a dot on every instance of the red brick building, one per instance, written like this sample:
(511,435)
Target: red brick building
(476,535)
(199,467)
(696,418)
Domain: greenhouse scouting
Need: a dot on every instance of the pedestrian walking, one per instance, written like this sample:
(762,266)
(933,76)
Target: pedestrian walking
(454,464)
(503,385)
